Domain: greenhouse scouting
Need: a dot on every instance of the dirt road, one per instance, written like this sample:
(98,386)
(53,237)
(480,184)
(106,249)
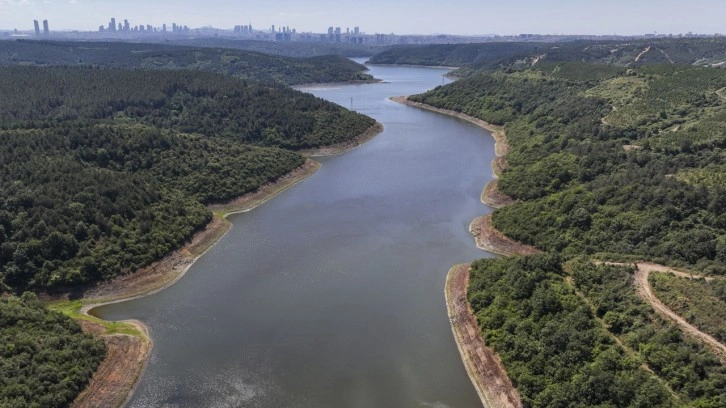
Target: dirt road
(642,285)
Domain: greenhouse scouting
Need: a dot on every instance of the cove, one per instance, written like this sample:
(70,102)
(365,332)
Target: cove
(332,293)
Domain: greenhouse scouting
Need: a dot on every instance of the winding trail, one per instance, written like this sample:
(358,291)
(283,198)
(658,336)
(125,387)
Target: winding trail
(645,291)
(642,285)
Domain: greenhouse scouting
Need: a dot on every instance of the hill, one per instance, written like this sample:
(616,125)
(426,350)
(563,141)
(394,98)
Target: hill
(494,55)
(105,171)
(605,162)
(250,65)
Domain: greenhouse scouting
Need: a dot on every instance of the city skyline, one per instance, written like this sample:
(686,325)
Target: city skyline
(458,17)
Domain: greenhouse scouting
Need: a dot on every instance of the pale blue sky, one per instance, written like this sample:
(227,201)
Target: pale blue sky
(399,16)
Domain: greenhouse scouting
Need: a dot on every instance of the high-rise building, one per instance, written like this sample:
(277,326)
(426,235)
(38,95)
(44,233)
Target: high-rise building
(37,27)
(46,31)
(112,25)
(127,26)
(163,28)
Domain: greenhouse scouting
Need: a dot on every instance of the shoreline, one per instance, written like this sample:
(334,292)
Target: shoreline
(129,350)
(128,342)
(490,239)
(489,377)
(485,369)
(491,195)
(300,87)
(344,147)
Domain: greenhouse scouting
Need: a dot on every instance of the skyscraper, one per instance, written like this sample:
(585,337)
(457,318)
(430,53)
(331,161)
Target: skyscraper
(112,25)
(46,31)
(37,27)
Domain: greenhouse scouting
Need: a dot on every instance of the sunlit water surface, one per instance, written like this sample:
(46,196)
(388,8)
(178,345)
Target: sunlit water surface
(332,293)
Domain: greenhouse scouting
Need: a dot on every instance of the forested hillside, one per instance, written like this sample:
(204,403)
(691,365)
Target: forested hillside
(298,49)
(608,160)
(494,55)
(45,360)
(605,162)
(104,171)
(239,63)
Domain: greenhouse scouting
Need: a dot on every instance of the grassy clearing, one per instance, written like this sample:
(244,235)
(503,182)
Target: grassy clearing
(700,302)
(72,309)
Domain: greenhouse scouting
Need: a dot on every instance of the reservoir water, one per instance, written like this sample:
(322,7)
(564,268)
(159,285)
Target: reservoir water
(332,293)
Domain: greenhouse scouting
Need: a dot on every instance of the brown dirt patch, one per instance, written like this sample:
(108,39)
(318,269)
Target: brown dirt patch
(116,376)
(346,146)
(490,239)
(484,367)
(492,197)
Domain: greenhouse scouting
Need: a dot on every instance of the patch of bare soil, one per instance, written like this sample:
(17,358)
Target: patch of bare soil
(492,197)
(484,367)
(490,239)
(116,376)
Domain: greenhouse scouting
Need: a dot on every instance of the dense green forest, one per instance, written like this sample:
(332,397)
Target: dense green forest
(243,64)
(610,162)
(45,360)
(580,336)
(555,351)
(605,160)
(299,49)
(104,171)
(494,55)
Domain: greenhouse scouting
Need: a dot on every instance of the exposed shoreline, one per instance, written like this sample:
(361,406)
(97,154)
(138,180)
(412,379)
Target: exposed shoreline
(491,196)
(485,370)
(344,147)
(115,380)
(490,239)
(300,87)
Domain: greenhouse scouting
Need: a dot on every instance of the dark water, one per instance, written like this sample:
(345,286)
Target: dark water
(332,294)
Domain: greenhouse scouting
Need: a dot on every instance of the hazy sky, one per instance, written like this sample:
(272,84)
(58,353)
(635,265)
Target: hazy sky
(385,16)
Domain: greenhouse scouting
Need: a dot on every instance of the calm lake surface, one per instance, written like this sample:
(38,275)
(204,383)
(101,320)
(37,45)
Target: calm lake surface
(332,293)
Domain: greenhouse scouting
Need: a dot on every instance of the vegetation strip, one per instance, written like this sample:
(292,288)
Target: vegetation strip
(484,367)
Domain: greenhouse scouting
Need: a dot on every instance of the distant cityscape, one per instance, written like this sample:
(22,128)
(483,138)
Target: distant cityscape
(125,30)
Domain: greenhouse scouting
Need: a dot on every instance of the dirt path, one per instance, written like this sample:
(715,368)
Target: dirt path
(484,367)
(490,240)
(645,51)
(116,377)
(645,291)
